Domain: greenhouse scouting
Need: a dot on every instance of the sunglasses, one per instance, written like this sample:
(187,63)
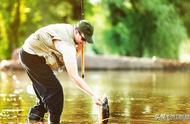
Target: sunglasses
(82,38)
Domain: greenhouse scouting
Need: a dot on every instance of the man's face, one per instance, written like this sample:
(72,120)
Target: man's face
(80,37)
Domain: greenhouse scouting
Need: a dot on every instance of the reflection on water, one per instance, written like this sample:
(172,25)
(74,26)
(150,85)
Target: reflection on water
(10,101)
(135,97)
(11,106)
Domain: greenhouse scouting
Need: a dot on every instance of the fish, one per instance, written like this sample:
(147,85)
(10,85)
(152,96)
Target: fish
(104,111)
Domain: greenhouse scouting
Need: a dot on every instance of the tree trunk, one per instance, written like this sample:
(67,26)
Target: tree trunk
(13,29)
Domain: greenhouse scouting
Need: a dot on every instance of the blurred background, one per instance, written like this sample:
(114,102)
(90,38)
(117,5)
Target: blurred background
(140,28)
(124,30)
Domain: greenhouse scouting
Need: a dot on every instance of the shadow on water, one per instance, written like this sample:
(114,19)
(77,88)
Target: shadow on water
(135,97)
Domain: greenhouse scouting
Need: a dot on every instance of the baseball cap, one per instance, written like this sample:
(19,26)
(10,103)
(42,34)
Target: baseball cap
(87,29)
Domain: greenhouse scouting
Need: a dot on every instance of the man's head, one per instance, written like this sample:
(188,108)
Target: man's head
(85,30)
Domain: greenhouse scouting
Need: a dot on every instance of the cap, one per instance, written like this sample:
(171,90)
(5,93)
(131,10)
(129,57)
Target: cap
(87,29)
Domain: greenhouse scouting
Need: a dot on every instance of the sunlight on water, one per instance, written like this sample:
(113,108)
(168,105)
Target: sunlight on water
(135,97)
(10,106)
(30,90)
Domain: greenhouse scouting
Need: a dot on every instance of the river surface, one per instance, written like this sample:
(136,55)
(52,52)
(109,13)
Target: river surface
(135,97)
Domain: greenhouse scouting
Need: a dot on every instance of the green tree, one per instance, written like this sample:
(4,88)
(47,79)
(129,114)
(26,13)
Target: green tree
(144,28)
(19,18)
(10,16)
(183,9)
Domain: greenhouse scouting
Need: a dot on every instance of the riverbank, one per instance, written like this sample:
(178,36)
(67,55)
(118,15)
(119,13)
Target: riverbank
(119,63)
(122,63)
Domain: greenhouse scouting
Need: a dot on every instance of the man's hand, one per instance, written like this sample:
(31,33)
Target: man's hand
(97,100)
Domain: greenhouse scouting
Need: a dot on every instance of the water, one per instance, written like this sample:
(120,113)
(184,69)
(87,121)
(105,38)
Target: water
(135,97)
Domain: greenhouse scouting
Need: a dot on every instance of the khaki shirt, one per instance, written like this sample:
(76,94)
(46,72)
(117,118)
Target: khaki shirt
(41,43)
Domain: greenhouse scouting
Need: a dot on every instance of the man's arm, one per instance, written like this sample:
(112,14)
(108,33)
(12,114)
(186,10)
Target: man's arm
(69,57)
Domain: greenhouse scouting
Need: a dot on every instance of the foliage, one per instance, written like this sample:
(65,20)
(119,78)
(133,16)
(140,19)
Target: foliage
(144,28)
(19,18)
(122,27)
(9,23)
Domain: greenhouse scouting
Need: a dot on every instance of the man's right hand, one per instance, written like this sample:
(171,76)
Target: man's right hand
(97,100)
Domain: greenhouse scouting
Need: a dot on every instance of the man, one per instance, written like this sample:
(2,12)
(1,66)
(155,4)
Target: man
(49,48)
